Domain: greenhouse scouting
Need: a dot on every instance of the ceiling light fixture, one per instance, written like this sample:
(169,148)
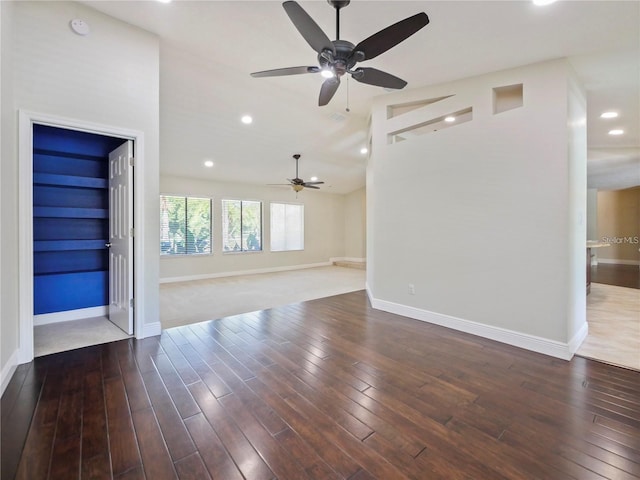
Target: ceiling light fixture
(450,119)
(313,179)
(208,163)
(609,115)
(327,73)
(364,150)
(542,3)
(616,131)
(164,1)
(246,119)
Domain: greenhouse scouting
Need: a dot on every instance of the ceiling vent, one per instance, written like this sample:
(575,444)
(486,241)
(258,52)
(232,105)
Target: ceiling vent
(338,117)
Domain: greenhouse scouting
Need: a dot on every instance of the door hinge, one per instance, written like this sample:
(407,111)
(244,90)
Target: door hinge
(132,161)
(131,303)
(131,232)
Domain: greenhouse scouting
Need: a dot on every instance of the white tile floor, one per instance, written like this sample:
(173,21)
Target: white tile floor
(63,336)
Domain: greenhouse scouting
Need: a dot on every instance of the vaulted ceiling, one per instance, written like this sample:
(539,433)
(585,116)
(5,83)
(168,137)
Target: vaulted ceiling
(208,49)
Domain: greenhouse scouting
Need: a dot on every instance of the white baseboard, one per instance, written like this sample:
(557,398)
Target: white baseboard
(69,315)
(578,338)
(615,261)
(8,370)
(150,330)
(206,276)
(348,259)
(510,337)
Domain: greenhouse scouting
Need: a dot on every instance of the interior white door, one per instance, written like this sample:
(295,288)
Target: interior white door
(121,237)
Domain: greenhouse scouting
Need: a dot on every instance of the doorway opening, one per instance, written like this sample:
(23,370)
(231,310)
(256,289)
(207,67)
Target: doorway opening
(76,233)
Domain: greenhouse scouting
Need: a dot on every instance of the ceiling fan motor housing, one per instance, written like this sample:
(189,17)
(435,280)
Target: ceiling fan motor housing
(343,60)
(338,3)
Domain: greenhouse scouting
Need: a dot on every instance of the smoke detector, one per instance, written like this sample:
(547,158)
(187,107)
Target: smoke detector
(79,26)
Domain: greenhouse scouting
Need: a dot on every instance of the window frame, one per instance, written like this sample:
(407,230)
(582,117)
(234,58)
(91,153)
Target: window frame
(211,225)
(261,223)
(271,227)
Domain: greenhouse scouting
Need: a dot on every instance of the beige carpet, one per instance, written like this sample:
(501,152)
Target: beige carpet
(613,315)
(182,303)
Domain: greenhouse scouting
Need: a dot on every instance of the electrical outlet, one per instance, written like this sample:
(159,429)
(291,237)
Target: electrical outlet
(412,289)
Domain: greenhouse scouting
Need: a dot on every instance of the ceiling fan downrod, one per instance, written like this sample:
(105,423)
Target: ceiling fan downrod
(338,4)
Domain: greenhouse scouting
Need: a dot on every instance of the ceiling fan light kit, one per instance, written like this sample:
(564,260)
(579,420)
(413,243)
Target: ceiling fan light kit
(337,57)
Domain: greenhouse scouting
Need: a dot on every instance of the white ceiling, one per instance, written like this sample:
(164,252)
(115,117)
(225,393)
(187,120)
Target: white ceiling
(208,49)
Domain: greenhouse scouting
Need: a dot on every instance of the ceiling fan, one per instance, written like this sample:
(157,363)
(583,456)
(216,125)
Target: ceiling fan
(340,56)
(297,183)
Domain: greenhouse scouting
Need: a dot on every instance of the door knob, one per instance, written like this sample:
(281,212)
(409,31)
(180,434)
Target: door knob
(108,245)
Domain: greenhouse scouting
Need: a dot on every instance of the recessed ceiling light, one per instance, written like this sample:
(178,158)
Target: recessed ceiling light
(314,179)
(450,119)
(246,119)
(541,3)
(616,131)
(326,73)
(164,1)
(364,150)
(609,115)
(208,163)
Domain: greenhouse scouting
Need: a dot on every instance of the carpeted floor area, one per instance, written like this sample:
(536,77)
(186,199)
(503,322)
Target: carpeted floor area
(183,303)
(613,312)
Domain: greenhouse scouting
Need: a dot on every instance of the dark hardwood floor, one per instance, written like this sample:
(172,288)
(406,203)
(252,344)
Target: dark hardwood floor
(619,275)
(325,389)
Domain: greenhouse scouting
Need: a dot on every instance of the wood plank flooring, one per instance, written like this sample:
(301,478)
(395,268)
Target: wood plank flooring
(619,275)
(325,389)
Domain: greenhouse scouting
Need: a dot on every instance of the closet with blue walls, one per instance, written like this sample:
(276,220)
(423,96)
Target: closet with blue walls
(70,219)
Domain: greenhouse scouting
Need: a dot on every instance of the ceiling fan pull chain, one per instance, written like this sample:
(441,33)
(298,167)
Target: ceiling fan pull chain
(347,109)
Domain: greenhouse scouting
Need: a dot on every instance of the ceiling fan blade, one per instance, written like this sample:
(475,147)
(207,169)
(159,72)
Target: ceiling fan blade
(308,28)
(285,71)
(311,186)
(391,36)
(306,184)
(373,76)
(279,184)
(328,90)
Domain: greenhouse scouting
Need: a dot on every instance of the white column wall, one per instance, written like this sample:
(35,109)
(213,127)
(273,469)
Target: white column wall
(482,217)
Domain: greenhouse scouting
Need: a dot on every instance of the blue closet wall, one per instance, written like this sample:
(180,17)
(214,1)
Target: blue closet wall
(70,218)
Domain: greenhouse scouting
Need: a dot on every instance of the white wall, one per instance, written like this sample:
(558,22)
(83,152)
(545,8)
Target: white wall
(482,217)
(355,225)
(592,213)
(110,77)
(576,317)
(324,229)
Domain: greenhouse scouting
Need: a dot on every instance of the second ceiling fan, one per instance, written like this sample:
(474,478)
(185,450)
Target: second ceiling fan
(297,183)
(338,57)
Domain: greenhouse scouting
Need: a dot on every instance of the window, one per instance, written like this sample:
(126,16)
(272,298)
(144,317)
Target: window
(185,225)
(287,227)
(241,225)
